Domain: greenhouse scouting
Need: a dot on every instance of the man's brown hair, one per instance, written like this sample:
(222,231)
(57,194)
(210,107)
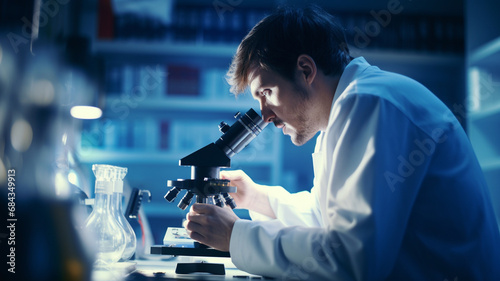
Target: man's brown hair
(279,39)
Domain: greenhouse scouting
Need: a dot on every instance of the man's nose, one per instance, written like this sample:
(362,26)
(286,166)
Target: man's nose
(267,114)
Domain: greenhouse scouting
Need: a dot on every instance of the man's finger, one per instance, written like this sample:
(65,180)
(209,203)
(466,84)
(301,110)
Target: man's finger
(230,175)
(198,237)
(198,218)
(201,208)
(191,226)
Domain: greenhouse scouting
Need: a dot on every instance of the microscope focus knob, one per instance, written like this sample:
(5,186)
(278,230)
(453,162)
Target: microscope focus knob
(223,127)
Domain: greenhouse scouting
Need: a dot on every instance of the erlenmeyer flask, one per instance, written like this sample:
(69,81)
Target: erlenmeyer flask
(108,235)
(116,206)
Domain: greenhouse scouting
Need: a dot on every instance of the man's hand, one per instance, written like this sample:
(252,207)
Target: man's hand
(211,225)
(247,188)
(249,195)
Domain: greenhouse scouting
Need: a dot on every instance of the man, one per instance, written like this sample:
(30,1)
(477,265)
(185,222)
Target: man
(398,193)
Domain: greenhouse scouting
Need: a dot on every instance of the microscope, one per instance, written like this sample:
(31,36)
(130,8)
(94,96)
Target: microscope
(208,188)
(206,163)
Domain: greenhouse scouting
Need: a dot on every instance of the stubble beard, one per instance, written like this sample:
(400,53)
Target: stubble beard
(306,127)
(304,132)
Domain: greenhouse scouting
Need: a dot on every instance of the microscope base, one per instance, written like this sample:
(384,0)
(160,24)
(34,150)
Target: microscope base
(193,252)
(212,268)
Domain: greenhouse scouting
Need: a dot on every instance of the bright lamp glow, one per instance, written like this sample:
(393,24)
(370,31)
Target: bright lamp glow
(73,178)
(86,112)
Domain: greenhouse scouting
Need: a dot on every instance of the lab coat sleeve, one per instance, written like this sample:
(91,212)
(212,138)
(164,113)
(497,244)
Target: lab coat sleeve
(368,202)
(300,208)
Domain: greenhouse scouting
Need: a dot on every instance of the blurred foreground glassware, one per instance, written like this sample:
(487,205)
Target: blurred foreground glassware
(116,206)
(33,120)
(108,235)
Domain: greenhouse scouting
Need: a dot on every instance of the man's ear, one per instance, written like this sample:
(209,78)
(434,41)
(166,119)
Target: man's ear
(307,68)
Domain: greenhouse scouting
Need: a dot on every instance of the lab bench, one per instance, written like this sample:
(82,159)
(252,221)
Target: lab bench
(165,270)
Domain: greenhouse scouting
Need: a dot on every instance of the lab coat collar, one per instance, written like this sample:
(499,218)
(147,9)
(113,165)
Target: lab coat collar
(351,71)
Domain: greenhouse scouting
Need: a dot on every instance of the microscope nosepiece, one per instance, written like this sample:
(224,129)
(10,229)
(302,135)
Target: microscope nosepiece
(186,200)
(172,194)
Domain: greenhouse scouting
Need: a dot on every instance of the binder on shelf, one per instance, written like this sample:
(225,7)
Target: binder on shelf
(113,79)
(140,134)
(128,79)
(164,135)
(105,20)
(152,134)
(183,81)
(209,81)
(110,133)
(152,80)
(214,85)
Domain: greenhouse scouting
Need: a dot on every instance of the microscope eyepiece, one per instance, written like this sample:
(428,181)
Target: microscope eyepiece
(241,133)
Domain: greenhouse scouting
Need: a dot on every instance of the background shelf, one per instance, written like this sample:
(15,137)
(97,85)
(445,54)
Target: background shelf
(492,112)
(487,54)
(164,48)
(228,105)
(483,60)
(150,131)
(492,165)
(153,157)
(412,58)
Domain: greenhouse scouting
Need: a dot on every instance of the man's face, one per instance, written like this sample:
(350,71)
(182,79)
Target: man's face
(287,104)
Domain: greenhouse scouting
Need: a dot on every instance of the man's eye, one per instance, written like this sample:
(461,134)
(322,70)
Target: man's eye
(265,93)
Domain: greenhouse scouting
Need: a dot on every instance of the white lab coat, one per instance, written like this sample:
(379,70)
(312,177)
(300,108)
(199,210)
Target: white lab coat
(398,195)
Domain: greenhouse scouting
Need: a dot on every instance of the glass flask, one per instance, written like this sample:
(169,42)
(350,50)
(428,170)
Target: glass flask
(116,206)
(109,238)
